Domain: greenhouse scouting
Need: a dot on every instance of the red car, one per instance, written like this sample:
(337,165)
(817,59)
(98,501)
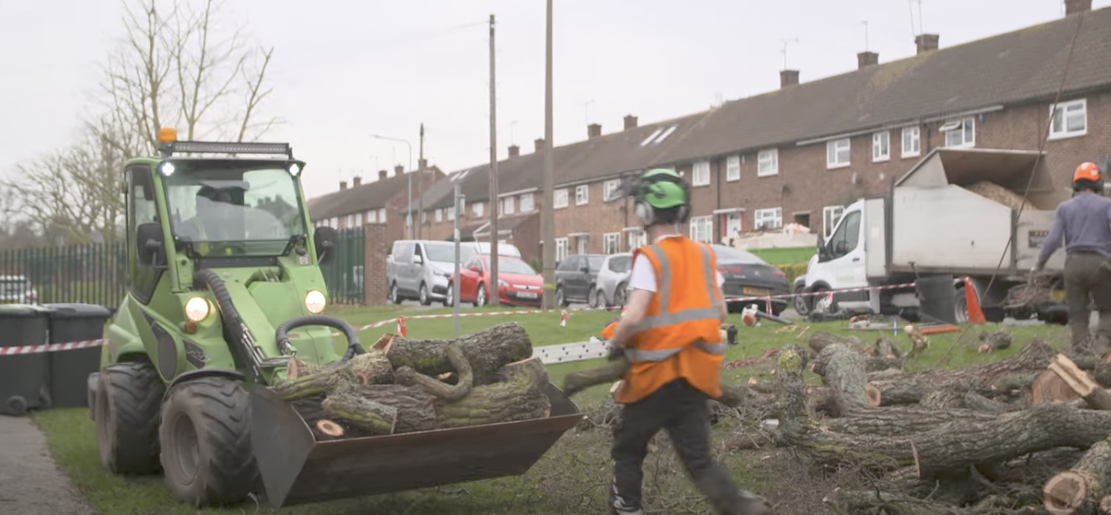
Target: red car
(518,285)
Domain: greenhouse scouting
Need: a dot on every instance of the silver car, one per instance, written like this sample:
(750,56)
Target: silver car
(612,282)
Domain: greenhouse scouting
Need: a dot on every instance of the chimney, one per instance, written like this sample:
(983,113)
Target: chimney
(593,130)
(630,122)
(398,170)
(422,164)
(539,144)
(381,175)
(864,59)
(356,181)
(342,185)
(514,151)
(788,78)
(1077,6)
(926,42)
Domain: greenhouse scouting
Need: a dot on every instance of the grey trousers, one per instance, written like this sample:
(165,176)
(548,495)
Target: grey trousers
(683,411)
(1087,283)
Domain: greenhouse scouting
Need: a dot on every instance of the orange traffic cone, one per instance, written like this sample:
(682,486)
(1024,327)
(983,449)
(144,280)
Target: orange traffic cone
(975,314)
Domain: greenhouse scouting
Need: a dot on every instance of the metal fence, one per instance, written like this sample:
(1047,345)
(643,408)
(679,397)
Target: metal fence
(97,274)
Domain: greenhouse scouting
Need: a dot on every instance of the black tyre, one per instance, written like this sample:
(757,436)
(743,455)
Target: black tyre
(619,294)
(561,298)
(128,398)
(592,298)
(395,295)
(424,299)
(206,442)
(480,297)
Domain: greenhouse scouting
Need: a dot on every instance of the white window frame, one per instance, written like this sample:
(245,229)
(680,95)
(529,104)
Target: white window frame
(478,209)
(881,146)
(963,127)
(439,215)
(372,217)
(610,189)
(637,238)
(702,229)
(1072,108)
(830,216)
(582,194)
(734,224)
(611,242)
(559,199)
(833,151)
(563,248)
(581,241)
(761,217)
(915,143)
(350,221)
(508,205)
(531,202)
(450,213)
(700,173)
(733,169)
(767,163)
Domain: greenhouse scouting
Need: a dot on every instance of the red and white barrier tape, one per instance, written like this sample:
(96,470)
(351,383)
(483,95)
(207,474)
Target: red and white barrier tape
(51,347)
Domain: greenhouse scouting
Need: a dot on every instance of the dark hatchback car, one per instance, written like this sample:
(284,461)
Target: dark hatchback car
(746,275)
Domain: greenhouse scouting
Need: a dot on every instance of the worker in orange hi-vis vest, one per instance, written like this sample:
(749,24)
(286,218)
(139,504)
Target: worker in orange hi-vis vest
(671,335)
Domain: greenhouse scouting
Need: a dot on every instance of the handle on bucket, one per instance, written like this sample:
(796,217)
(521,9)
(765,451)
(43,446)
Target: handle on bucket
(353,345)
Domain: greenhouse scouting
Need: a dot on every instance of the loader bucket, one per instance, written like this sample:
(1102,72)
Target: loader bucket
(297,469)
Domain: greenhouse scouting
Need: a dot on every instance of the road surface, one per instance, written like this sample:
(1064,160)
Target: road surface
(30,481)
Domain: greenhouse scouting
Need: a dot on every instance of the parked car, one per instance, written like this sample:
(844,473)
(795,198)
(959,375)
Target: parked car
(746,275)
(419,270)
(17,289)
(574,277)
(518,283)
(612,281)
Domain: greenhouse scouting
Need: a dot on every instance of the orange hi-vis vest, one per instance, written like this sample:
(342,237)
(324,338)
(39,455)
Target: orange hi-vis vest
(680,336)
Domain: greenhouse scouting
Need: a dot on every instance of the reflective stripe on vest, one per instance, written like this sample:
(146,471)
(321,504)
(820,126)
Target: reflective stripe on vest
(665,319)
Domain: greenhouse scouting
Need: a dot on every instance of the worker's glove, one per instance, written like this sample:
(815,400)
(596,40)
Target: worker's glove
(615,353)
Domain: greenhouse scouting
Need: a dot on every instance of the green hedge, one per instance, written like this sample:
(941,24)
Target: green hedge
(793,270)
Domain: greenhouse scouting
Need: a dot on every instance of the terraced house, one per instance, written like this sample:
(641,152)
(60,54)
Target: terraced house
(802,152)
(381,201)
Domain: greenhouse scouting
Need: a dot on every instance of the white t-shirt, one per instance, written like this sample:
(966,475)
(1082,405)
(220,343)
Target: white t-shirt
(643,277)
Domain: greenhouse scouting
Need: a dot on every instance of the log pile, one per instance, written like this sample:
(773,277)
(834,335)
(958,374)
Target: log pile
(972,441)
(400,385)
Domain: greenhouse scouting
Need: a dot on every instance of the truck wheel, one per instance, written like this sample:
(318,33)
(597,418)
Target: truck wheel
(424,300)
(206,442)
(128,398)
(801,303)
(395,296)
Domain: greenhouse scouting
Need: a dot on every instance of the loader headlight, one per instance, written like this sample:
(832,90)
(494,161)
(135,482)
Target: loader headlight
(314,302)
(196,309)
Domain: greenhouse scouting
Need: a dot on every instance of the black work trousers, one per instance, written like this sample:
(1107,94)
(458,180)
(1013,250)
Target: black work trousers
(1087,283)
(685,413)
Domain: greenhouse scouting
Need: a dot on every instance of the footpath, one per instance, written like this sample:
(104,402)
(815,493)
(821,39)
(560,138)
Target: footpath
(30,481)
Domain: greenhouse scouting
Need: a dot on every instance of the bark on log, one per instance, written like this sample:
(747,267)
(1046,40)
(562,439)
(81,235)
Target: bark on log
(415,406)
(821,340)
(349,406)
(407,376)
(1081,383)
(899,420)
(517,394)
(994,341)
(949,398)
(1081,489)
(842,369)
(486,351)
(910,388)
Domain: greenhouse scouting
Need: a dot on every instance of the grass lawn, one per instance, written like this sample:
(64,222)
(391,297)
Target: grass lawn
(571,478)
(781,256)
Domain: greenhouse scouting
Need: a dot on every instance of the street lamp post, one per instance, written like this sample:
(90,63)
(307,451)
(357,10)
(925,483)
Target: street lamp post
(409,215)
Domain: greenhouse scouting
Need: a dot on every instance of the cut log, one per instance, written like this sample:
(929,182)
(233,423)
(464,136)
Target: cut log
(329,429)
(951,398)
(1081,383)
(306,380)
(899,420)
(518,394)
(821,340)
(409,377)
(415,406)
(486,351)
(349,406)
(1082,488)
(994,341)
(910,388)
(842,369)
(886,349)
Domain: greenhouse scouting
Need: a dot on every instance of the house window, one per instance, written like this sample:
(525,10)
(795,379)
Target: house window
(450,213)
(371,217)
(637,238)
(1070,119)
(911,144)
(767,162)
(769,218)
(358,219)
(350,221)
(439,215)
(702,229)
(508,205)
(526,203)
(382,215)
(700,175)
(582,244)
(733,168)
(561,249)
(611,242)
(582,194)
(479,208)
(881,146)
(830,216)
(837,153)
(961,133)
(560,199)
(609,189)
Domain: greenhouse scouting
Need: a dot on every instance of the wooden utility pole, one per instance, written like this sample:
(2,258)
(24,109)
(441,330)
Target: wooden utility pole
(547,220)
(495,294)
(420,187)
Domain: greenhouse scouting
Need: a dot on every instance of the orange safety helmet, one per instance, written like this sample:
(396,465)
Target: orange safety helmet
(1086,172)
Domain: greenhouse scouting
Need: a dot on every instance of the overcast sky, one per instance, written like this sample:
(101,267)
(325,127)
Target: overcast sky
(345,70)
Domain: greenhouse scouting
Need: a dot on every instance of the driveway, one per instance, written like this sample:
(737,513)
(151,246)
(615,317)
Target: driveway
(30,482)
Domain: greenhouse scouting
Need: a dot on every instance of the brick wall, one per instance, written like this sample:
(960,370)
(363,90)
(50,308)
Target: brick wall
(374,271)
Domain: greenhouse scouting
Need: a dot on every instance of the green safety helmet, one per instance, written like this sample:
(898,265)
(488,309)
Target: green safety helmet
(660,188)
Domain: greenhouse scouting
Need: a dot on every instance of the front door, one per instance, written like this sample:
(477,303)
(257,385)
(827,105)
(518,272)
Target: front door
(141,209)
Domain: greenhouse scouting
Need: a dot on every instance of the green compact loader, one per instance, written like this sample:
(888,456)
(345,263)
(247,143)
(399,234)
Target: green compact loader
(222,265)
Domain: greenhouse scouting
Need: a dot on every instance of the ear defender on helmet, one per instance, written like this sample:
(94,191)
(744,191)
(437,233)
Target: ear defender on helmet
(660,189)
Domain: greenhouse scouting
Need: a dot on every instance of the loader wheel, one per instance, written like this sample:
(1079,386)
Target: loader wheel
(128,398)
(206,442)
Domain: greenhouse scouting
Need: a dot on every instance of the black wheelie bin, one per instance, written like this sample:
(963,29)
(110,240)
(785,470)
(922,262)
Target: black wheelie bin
(24,378)
(70,369)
